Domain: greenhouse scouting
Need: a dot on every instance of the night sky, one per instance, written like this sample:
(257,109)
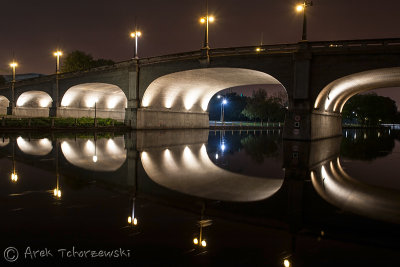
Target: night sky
(34,29)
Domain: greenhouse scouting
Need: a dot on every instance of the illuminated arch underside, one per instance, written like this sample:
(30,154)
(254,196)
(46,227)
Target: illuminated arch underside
(34,99)
(333,97)
(109,154)
(4,102)
(193,89)
(338,188)
(189,170)
(85,95)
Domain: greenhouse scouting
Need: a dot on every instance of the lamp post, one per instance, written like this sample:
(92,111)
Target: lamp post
(303,8)
(57,54)
(136,34)
(223,103)
(206,20)
(13,65)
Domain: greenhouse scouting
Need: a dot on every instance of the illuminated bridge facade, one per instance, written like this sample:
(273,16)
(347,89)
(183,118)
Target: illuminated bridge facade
(174,91)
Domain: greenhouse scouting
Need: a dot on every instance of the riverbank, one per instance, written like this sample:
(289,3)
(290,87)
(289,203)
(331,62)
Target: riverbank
(61,124)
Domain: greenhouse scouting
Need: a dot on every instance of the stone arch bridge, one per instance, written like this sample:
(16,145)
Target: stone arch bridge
(173,91)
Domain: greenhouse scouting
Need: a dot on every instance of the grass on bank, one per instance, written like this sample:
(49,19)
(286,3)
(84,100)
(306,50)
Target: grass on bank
(58,122)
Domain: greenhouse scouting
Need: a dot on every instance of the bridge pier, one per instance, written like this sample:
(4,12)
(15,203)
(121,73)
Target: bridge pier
(164,119)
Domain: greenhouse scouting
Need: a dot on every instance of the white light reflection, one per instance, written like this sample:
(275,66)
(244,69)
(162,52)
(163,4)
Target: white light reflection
(36,147)
(188,169)
(108,155)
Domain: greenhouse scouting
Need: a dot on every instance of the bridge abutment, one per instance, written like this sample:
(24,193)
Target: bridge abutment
(163,119)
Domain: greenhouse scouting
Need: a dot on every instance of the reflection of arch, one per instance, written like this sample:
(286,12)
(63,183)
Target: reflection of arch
(100,155)
(189,170)
(4,103)
(36,147)
(79,101)
(33,104)
(333,97)
(193,89)
(4,142)
(337,187)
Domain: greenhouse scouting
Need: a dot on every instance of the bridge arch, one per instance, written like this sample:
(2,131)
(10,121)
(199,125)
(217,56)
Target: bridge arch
(186,95)
(333,97)
(326,120)
(4,103)
(33,104)
(80,101)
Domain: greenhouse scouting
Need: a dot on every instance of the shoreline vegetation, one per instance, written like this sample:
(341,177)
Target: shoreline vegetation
(49,123)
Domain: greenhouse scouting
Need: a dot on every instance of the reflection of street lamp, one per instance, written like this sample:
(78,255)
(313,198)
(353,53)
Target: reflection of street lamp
(95,149)
(136,34)
(57,190)
(14,175)
(286,263)
(132,220)
(303,8)
(200,241)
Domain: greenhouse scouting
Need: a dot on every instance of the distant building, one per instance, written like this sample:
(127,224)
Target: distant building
(24,76)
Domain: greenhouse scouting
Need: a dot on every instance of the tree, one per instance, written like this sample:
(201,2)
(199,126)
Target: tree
(259,106)
(369,109)
(2,80)
(232,110)
(78,60)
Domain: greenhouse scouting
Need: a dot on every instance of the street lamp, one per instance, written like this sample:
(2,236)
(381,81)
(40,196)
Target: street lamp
(57,54)
(206,20)
(13,65)
(303,8)
(136,34)
(223,103)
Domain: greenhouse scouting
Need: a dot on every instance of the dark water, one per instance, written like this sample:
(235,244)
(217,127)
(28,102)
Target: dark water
(253,199)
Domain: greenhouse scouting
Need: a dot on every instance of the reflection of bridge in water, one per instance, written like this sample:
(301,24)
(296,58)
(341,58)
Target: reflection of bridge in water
(177,162)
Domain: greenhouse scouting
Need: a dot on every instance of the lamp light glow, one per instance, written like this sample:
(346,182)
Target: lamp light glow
(286,263)
(300,7)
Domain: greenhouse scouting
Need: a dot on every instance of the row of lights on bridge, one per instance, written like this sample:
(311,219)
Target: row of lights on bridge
(203,20)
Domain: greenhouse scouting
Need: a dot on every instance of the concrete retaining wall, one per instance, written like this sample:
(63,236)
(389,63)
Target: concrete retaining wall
(325,125)
(3,110)
(89,112)
(156,119)
(31,112)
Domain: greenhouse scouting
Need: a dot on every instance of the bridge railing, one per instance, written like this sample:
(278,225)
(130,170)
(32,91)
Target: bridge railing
(326,45)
